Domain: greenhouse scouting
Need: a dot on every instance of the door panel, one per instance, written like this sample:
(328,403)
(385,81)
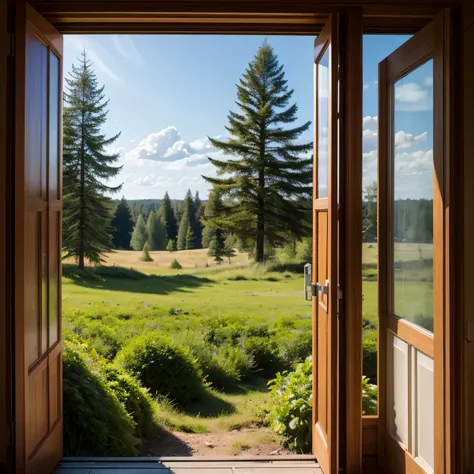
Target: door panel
(411,255)
(325,322)
(38,348)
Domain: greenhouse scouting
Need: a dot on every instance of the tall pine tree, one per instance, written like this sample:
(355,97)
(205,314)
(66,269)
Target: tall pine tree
(140,234)
(122,225)
(268,177)
(211,211)
(199,214)
(168,218)
(87,230)
(188,219)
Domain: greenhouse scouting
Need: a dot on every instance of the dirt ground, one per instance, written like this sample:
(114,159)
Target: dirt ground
(248,441)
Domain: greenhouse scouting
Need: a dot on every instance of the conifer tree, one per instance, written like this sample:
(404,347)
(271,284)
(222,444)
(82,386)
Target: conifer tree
(199,214)
(268,178)
(168,218)
(122,225)
(188,219)
(171,247)
(146,253)
(87,230)
(216,247)
(229,250)
(140,234)
(211,210)
(190,238)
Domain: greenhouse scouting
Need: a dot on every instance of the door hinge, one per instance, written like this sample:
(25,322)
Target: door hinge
(11,44)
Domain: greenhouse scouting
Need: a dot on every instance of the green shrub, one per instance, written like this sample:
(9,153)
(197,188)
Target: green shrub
(106,340)
(369,397)
(175,265)
(95,422)
(295,347)
(291,409)
(146,253)
(369,355)
(163,367)
(264,352)
(136,401)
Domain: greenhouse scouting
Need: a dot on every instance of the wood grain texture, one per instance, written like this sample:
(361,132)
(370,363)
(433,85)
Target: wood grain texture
(38,375)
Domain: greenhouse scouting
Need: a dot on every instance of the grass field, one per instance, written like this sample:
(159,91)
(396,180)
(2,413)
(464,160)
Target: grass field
(157,295)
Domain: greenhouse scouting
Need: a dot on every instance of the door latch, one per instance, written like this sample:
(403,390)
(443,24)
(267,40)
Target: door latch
(318,289)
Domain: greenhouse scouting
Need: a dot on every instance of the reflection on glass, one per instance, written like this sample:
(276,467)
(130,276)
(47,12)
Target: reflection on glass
(323,124)
(413,173)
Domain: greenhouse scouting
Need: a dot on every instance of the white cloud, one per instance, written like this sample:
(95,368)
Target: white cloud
(406,140)
(428,81)
(371,123)
(366,86)
(413,97)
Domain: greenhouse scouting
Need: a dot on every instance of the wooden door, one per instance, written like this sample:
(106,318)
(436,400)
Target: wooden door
(325,317)
(37,243)
(412,253)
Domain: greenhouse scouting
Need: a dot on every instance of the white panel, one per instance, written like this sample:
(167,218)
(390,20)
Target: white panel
(399,381)
(424,409)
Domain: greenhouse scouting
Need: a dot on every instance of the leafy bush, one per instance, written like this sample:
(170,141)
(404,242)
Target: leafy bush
(163,367)
(136,401)
(369,354)
(95,422)
(146,253)
(175,265)
(291,409)
(295,347)
(264,352)
(369,397)
(105,339)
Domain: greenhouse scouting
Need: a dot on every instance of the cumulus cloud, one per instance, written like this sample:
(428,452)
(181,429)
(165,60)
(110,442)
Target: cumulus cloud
(406,140)
(166,146)
(413,97)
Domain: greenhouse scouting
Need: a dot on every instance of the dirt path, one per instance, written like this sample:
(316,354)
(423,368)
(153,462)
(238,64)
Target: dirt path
(248,441)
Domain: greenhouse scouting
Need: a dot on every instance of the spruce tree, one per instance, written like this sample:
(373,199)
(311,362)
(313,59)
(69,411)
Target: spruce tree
(268,177)
(216,247)
(190,238)
(171,247)
(228,250)
(122,225)
(146,253)
(188,219)
(168,218)
(199,207)
(211,211)
(140,234)
(157,238)
(87,230)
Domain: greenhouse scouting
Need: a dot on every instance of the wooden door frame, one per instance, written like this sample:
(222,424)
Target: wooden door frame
(213,17)
(446,347)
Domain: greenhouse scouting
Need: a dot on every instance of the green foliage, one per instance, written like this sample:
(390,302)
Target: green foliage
(122,225)
(369,213)
(295,347)
(136,401)
(369,355)
(175,265)
(229,244)
(265,355)
(146,253)
(156,232)
(190,238)
(216,247)
(168,219)
(369,397)
(211,210)
(291,408)
(140,234)
(268,185)
(171,247)
(163,367)
(87,230)
(95,422)
(188,220)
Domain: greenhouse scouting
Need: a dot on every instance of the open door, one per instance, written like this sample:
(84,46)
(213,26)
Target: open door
(413,202)
(325,305)
(37,243)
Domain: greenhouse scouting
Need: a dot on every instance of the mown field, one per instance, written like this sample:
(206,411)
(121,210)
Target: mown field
(240,322)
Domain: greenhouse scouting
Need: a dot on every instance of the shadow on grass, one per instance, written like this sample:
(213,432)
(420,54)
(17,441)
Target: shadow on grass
(131,280)
(209,405)
(253,384)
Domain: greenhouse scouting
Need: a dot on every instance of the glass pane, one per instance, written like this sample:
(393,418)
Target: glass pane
(413,173)
(323,124)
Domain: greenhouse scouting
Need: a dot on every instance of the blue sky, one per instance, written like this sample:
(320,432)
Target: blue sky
(168,93)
